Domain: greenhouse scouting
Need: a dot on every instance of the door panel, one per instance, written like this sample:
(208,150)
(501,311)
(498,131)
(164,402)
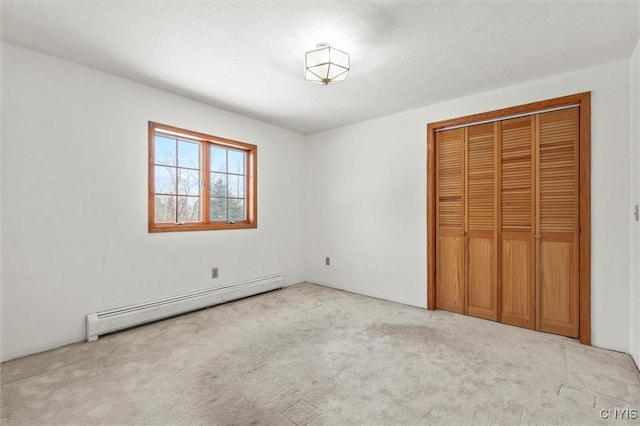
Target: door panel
(517,283)
(516,174)
(517,198)
(557,216)
(481,263)
(482,290)
(450,274)
(558,307)
(481,177)
(450,198)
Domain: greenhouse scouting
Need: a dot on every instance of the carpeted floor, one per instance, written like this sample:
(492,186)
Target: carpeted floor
(313,355)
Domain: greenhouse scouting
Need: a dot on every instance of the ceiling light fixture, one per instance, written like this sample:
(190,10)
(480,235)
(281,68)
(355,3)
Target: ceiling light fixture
(326,64)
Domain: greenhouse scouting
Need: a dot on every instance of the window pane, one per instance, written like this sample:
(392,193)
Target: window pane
(165,150)
(219,185)
(188,182)
(219,209)
(188,209)
(165,209)
(236,209)
(236,162)
(218,159)
(165,180)
(236,187)
(241,193)
(188,154)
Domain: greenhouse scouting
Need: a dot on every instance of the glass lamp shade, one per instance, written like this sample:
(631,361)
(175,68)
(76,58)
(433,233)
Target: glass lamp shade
(326,64)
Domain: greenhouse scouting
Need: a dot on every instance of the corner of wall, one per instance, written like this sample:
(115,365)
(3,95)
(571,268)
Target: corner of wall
(634,198)
(1,192)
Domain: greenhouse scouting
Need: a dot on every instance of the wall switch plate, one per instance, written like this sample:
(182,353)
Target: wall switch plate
(214,272)
(327,261)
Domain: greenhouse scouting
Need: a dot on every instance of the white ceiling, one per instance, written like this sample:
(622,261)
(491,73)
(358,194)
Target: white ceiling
(248,56)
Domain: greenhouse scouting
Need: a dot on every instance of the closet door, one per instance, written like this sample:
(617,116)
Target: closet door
(450,241)
(481,209)
(557,216)
(517,200)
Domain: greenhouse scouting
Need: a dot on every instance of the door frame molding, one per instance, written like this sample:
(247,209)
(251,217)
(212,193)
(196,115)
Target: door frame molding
(583,100)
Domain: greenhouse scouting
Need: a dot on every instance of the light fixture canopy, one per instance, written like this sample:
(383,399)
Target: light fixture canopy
(326,64)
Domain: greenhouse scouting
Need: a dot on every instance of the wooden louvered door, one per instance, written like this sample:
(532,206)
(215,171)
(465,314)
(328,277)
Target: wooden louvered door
(481,222)
(517,221)
(557,215)
(450,241)
(508,216)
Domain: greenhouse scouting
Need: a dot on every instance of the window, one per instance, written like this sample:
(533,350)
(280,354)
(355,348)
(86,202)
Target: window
(200,182)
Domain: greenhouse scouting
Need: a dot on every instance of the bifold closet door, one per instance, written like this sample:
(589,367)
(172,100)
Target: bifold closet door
(481,222)
(558,216)
(450,207)
(508,220)
(517,221)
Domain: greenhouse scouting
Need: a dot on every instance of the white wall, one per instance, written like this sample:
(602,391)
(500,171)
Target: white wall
(74,189)
(366,196)
(1,238)
(634,290)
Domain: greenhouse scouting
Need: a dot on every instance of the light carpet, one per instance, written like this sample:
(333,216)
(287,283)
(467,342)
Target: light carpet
(312,355)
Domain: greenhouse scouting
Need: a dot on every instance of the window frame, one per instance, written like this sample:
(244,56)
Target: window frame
(205,141)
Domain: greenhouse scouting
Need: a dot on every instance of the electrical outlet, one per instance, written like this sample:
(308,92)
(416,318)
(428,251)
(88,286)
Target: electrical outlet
(214,272)
(327,261)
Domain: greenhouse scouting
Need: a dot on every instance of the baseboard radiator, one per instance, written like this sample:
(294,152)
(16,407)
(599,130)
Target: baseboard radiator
(99,323)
